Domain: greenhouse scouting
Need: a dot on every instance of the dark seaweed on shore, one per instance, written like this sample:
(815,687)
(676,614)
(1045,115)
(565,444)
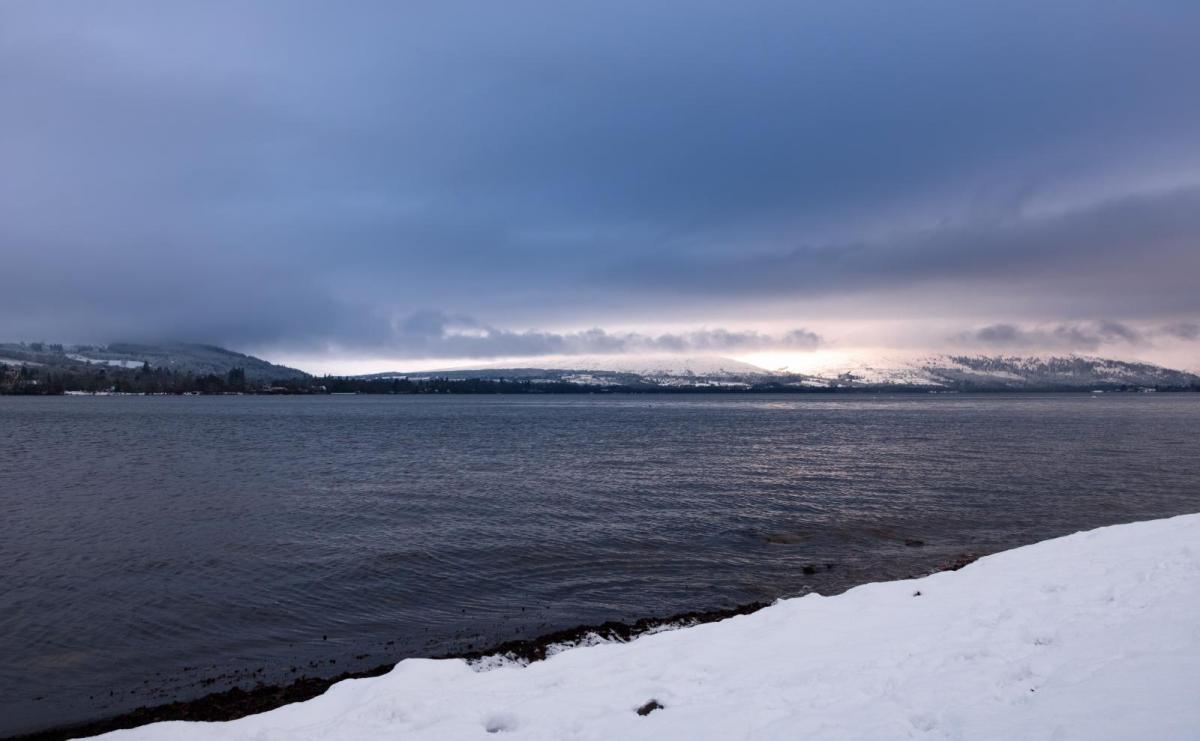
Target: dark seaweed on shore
(536,649)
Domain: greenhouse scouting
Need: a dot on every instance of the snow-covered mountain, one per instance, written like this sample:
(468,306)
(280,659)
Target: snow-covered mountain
(180,357)
(616,370)
(989,372)
(864,371)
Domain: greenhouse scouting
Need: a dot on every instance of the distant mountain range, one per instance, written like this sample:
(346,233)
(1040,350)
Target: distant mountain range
(945,372)
(180,357)
(664,370)
(992,372)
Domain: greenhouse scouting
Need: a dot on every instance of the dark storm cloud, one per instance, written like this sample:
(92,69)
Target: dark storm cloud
(1136,255)
(299,174)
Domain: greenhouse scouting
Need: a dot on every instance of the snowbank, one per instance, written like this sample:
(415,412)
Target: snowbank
(1091,636)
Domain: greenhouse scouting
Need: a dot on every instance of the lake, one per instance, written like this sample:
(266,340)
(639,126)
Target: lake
(159,548)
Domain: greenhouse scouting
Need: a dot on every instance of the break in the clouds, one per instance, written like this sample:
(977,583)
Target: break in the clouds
(472,180)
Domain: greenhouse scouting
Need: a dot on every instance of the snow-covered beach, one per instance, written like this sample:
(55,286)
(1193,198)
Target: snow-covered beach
(1091,636)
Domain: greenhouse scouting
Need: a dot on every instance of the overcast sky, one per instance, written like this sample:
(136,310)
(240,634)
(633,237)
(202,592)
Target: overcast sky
(358,185)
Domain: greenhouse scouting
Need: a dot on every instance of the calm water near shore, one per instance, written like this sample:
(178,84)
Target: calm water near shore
(159,548)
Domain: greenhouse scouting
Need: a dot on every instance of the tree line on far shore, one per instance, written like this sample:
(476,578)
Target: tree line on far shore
(28,380)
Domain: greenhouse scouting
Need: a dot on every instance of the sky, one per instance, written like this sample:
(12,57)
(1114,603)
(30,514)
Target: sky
(367,186)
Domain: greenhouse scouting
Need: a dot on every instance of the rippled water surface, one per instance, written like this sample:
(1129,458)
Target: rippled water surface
(160,548)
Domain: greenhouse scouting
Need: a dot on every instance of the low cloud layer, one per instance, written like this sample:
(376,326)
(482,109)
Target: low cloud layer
(1080,336)
(1096,337)
(432,334)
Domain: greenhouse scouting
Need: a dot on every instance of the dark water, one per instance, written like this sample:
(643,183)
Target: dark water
(160,548)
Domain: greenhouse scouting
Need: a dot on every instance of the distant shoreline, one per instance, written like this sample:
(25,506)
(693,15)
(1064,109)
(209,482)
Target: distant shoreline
(473,388)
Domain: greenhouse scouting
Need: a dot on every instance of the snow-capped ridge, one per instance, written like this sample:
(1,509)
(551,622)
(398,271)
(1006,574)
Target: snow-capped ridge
(992,372)
(612,370)
(832,371)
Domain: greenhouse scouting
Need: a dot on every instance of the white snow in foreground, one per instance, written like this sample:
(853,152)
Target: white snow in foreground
(1091,636)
